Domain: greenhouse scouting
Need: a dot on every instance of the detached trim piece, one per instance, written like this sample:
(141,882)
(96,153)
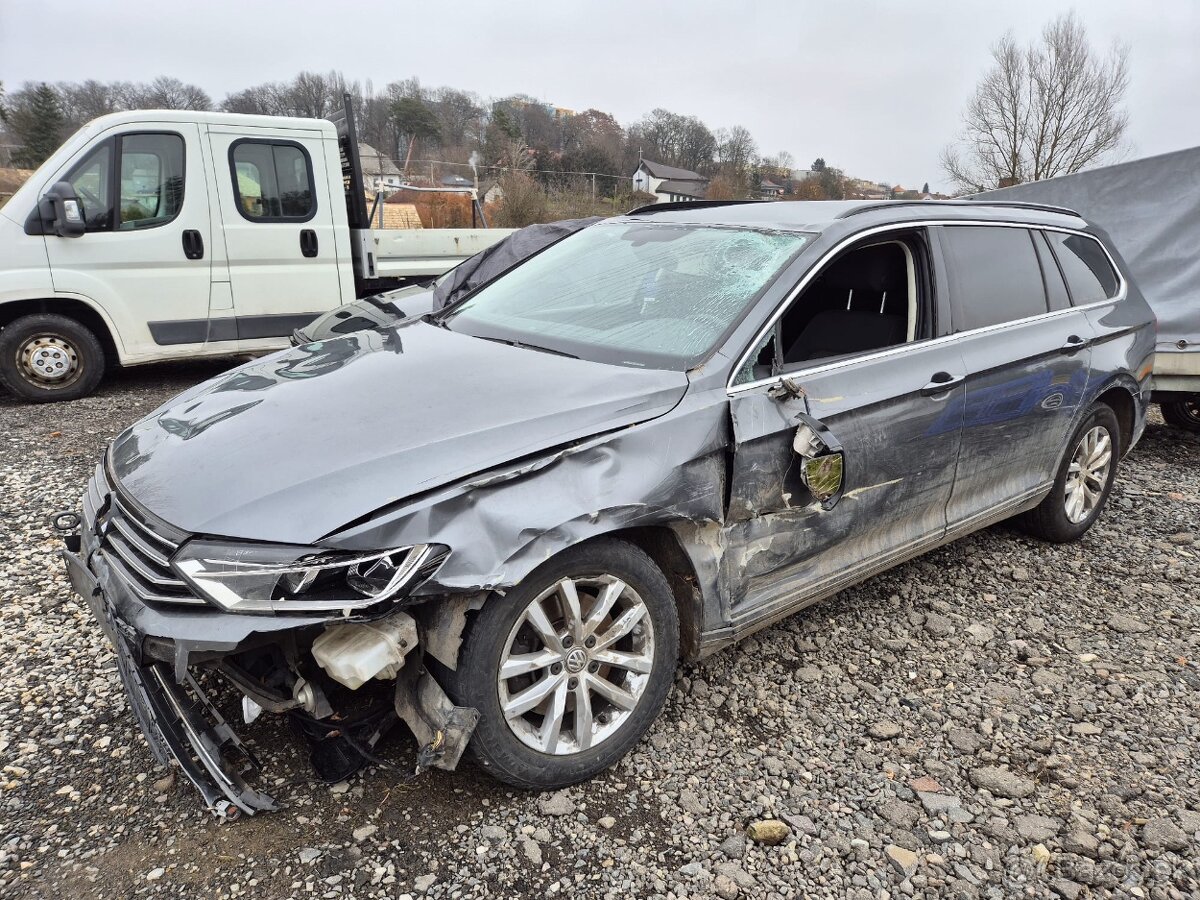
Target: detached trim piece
(230,328)
(176,728)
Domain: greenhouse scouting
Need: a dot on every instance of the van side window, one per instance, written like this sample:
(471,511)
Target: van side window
(994,275)
(151,180)
(1056,288)
(1085,265)
(272,181)
(92,181)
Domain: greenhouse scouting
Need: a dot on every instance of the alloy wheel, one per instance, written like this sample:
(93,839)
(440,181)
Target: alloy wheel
(576,664)
(1088,474)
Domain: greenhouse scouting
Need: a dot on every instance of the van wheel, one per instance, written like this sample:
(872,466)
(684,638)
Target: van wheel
(1183,414)
(49,357)
(1084,480)
(569,669)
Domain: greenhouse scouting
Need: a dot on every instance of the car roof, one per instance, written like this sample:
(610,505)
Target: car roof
(818,215)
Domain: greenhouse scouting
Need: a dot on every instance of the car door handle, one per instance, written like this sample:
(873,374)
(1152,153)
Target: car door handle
(193,244)
(308,242)
(942,382)
(1073,343)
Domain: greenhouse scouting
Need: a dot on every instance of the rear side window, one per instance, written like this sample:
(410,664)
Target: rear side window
(994,275)
(1085,265)
(272,181)
(1056,288)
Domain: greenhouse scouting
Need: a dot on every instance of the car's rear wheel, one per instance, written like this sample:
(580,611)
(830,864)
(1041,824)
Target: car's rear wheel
(570,668)
(49,357)
(1084,480)
(1183,413)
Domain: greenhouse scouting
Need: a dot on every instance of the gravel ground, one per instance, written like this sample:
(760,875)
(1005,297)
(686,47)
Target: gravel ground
(999,718)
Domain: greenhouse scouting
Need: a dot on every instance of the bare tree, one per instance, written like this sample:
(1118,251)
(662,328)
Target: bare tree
(165,92)
(1048,109)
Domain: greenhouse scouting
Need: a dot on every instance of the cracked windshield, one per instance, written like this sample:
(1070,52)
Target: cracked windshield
(635,294)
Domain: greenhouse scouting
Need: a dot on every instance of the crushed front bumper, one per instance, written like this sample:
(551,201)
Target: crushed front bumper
(176,717)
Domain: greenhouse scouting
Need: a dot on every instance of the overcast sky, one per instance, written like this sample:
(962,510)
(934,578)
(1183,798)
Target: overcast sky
(874,87)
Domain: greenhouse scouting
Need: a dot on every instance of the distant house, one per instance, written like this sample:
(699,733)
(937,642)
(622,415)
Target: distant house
(456,181)
(769,190)
(490,192)
(379,172)
(667,183)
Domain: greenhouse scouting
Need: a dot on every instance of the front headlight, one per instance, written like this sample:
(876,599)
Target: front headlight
(282,578)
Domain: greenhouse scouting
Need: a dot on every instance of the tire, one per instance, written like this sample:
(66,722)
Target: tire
(514,752)
(1183,414)
(1053,519)
(48,357)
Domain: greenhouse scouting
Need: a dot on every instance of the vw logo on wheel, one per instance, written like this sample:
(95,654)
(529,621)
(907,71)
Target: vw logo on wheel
(576,660)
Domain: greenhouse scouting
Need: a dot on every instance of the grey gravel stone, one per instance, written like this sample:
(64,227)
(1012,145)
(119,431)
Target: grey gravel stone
(1001,782)
(1163,834)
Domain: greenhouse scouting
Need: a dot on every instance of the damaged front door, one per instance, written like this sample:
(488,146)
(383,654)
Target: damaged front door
(845,472)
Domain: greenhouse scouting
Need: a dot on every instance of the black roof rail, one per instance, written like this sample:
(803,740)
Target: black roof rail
(687,204)
(1020,204)
(886,204)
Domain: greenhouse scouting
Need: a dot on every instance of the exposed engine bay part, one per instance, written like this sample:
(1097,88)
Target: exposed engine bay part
(442,623)
(355,652)
(441,728)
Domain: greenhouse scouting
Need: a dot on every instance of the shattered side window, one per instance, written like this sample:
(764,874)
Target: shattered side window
(642,293)
(760,363)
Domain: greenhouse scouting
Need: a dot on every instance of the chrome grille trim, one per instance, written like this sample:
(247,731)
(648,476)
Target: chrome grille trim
(141,539)
(144,593)
(140,567)
(136,546)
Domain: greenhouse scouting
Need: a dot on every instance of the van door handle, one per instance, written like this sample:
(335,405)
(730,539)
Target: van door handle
(308,242)
(942,382)
(193,244)
(1073,343)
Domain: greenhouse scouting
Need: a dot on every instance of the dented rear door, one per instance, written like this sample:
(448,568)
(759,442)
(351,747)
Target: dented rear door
(897,416)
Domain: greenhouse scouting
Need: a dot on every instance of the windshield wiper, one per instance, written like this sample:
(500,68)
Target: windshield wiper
(527,346)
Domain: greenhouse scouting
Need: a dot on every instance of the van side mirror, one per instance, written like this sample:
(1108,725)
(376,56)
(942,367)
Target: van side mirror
(61,212)
(822,461)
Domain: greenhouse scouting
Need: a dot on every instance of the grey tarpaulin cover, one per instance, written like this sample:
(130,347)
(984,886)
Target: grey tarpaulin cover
(1151,210)
(499,258)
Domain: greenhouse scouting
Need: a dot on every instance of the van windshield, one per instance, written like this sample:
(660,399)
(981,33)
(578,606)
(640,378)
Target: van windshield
(641,294)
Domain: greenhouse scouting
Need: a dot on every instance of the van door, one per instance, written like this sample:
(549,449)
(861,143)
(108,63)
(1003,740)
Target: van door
(1028,355)
(862,368)
(144,257)
(278,220)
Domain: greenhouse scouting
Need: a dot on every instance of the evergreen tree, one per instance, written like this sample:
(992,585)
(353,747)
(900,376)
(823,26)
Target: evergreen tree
(925,188)
(39,122)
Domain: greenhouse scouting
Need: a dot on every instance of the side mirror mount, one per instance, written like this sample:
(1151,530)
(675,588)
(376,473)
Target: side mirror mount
(823,461)
(61,211)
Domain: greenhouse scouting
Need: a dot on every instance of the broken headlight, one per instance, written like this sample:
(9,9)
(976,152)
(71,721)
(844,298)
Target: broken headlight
(282,578)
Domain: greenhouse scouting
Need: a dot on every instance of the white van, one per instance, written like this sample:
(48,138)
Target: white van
(155,235)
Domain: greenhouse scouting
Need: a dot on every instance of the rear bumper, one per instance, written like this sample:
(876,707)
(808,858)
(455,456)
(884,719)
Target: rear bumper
(180,724)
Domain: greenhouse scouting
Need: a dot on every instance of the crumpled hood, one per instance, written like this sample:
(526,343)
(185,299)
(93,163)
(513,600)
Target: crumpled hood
(293,446)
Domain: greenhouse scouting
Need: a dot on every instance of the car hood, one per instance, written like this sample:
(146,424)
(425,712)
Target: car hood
(291,447)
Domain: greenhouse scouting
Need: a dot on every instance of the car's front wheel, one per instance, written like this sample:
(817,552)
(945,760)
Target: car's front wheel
(1084,480)
(569,669)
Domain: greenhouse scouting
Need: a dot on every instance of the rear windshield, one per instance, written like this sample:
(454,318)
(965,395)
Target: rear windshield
(642,294)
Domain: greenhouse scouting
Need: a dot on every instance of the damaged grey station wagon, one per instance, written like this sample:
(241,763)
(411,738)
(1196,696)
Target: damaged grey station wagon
(505,522)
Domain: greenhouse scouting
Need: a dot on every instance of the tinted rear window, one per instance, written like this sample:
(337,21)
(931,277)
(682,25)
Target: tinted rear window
(994,275)
(1056,288)
(1085,265)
